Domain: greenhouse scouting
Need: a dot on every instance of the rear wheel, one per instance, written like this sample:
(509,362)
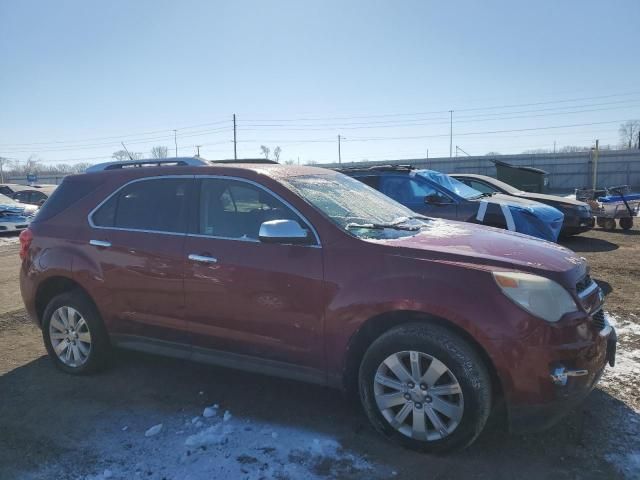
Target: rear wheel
(425,387)
(626,223)
(74,334)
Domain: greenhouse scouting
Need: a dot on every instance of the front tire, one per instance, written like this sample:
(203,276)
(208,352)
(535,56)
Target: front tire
(425,387)
(74,334)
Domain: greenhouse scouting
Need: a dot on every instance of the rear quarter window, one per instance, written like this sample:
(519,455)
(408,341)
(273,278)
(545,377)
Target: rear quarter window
(68,193)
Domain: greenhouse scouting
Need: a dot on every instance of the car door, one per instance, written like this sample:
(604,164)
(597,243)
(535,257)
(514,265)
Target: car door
(413,192)
(246,297)
(138,239)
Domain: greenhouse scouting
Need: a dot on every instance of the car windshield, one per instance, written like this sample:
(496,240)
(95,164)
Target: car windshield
(355,207)
(450,183)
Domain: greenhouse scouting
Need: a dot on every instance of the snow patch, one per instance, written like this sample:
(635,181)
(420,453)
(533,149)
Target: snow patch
(156,429)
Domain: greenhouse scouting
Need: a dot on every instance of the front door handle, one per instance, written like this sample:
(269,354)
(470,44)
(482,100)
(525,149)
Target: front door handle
(100,243)
(202,258)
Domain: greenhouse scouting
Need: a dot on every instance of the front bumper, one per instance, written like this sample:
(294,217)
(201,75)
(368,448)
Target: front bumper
(577,223)
(14,224)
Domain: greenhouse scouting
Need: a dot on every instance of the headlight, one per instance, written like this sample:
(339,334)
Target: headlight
(539,296)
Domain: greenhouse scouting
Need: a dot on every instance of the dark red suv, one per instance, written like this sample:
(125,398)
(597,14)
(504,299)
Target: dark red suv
(306,273)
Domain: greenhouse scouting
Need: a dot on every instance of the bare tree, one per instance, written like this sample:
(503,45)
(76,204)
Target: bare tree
(159,152)
(4,163)
(120,155)
(32,165)
(265,151)
(276,153)
(629,133)
(492,154)
(291,161)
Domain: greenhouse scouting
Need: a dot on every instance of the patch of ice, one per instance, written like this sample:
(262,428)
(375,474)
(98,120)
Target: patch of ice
(213,435)
(227,416)
(274,435)
(210,411)
(156,429)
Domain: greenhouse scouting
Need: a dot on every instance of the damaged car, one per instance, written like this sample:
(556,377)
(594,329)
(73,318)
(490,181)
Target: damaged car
(15,216)
(436,194)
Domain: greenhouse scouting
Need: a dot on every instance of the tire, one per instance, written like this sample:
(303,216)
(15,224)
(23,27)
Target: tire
(600,222)
(65,313)
(427,343)
(626,223)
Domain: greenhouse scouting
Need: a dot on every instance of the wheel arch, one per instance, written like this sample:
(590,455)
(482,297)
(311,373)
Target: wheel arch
(52,287)
(379,324)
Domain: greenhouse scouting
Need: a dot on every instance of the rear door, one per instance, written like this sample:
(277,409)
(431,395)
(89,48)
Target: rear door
(243,296)
(138,238)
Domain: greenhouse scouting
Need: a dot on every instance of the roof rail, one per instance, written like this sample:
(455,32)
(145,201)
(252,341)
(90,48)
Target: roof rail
(151,162)
(245,160)
(376,167)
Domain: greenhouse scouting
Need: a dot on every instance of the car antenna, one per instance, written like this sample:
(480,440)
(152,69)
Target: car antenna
(125,149)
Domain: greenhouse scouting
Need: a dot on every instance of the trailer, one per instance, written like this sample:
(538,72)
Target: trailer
(611,204)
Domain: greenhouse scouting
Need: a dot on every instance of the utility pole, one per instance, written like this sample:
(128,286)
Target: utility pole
(235,141)
(554,146)
(198,147)
(175,141)
(427,154)
(450,134)
(339,152)
(639,140)
(595,165)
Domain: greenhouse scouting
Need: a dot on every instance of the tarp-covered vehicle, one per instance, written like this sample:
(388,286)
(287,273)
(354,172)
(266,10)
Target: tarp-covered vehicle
(435,194)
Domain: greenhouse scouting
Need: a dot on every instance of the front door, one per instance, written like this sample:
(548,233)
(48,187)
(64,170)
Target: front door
(413,194)
(247,297)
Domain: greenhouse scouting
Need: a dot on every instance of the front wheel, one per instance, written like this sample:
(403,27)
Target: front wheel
(425,387)
(74,334)
(626,223)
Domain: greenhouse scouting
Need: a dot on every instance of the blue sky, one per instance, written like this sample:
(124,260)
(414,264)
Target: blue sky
(78,77)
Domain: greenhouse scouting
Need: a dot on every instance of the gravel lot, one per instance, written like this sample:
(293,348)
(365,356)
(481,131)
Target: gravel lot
(57,426)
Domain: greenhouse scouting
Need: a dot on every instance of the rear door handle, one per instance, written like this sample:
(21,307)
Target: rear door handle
(100,243)
(202,258)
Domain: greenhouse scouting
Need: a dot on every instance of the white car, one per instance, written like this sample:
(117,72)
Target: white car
(15,216)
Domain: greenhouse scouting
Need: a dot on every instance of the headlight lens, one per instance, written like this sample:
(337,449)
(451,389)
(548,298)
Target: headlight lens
(539,296)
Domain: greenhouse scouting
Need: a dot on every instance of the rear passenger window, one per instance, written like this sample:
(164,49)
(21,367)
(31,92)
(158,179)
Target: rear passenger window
(156,205)
(233,209)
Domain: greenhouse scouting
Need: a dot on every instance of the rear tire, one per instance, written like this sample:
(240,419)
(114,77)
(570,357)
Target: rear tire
(408,410)
(74,334)
(626,223)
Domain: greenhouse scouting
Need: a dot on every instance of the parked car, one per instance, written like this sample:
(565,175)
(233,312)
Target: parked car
(436,194)
(14,216)
(27,194)
(578,217)
(306,273)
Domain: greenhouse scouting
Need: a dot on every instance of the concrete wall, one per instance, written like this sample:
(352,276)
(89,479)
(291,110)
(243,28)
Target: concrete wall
(567,171)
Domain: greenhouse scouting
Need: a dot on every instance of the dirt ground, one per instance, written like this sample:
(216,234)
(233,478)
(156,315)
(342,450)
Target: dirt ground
(54,425)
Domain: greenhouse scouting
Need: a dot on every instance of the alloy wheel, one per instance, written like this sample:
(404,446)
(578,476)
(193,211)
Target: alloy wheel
(70,336)
(418,395)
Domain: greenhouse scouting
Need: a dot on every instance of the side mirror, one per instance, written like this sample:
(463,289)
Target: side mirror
(433,199)
(283,231)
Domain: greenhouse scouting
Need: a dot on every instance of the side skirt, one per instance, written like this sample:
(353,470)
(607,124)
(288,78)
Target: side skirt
(220,358)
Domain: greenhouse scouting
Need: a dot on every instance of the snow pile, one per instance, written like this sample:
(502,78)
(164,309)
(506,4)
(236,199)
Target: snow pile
(223,446)
(622,380)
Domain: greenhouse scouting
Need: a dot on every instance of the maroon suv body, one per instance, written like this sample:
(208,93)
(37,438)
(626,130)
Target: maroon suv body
(183,271)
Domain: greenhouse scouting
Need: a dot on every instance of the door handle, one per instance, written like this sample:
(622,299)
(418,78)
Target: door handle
(100,243)
(202,258)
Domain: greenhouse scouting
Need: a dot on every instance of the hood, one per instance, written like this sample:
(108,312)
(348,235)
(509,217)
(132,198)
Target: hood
(541,197)
(16,208)
(486,246)
(519,202)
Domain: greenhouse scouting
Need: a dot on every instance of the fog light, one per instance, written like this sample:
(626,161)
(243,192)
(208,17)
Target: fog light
(561,375)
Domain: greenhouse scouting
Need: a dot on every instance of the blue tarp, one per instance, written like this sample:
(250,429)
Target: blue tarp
(534,218)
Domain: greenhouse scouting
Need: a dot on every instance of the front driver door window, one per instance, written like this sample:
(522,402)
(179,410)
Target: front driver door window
(253,298)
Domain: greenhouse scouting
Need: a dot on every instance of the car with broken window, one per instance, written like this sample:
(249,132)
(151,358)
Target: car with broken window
(309,274)
(436,194)
(578,216)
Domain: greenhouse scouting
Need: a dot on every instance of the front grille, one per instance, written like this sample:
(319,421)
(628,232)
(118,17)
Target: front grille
(598,320)
(583,284)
